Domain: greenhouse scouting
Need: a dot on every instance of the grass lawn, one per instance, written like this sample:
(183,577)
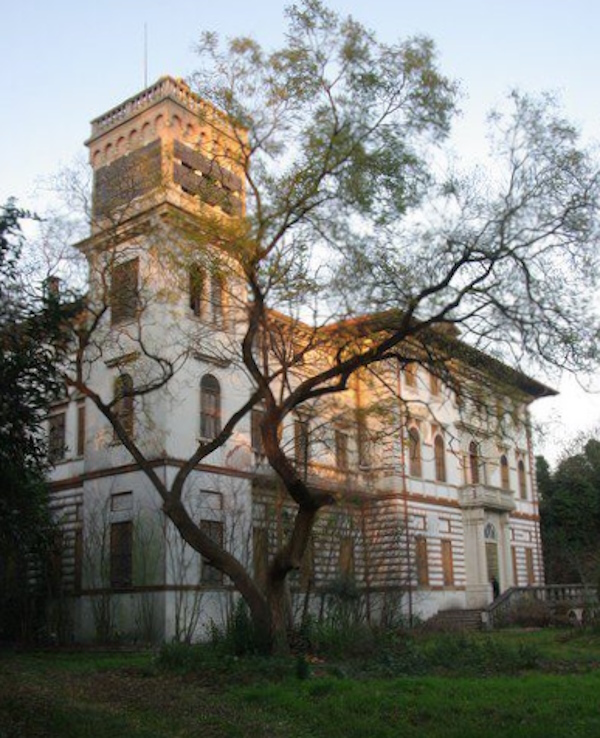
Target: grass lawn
(131,694)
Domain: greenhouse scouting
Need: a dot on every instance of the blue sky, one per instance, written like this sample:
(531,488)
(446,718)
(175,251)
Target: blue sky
(63,63)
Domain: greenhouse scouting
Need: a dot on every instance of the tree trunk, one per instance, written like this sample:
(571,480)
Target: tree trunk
(260,610)
(280,616)
(287,560)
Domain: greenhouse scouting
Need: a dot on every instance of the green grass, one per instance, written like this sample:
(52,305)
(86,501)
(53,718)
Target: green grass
(197,694)
(527,706)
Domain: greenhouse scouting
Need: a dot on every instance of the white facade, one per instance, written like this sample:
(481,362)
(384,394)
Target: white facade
(445,501)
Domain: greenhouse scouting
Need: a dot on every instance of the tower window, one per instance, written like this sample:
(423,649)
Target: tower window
(196,289)
(217,289)
(124,291)
(123,402)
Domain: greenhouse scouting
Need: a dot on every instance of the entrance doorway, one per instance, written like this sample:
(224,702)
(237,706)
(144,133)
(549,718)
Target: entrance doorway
(491,555)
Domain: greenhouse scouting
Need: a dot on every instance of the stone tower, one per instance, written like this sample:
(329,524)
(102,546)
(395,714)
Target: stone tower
(165,145)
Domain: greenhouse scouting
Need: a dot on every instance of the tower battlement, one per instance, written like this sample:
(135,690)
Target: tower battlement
(169,142)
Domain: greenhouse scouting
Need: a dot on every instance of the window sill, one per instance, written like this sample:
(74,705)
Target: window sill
(58,462)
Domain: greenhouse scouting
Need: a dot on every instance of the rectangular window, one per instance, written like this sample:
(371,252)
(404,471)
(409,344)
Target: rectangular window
(217,290)
(123,402)
(121,502)
(421,561)
(196,289)
(363,443)
(260,555)
(121,555)
(56,437)
(256,440)
(210,407)
(341,449)
(346,560)
(55,568)
(410,374)
(447,563)
(214,530)
(515,567)
(301,443)
(307,568)
(124,291)
(529,566)
(80,429)
(78,562)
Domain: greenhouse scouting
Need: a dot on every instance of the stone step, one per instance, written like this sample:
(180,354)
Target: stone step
(455,620)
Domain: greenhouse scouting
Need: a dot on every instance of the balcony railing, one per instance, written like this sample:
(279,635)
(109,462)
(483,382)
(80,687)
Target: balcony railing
(576,595)
(481,495)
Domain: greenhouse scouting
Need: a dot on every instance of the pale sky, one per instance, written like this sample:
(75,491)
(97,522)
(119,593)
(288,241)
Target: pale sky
(62,63)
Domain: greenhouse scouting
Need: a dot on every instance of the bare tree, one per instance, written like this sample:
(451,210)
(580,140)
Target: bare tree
(356,259)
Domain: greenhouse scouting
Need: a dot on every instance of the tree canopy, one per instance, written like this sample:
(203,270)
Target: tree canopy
(29,379)
(355,252)
(570,514)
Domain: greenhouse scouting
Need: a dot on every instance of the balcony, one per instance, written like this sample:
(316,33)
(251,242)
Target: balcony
(316,475)
(489,498)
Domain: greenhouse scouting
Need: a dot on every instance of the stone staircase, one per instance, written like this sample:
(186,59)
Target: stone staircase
(455,620)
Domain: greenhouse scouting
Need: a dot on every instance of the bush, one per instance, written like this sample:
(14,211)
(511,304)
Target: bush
(183,657)
(338,641)
(450,653)
(480,655)
(240,637)
(529,614)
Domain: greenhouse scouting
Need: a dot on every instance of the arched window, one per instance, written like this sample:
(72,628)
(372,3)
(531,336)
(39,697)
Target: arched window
(489,532)
(414,453)
(123,395)
(474,462)
(440,458)
(210,407)
(522,479)
(504,472)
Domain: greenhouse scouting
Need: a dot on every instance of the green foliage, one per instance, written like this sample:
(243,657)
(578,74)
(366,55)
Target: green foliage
(344,602)
(302,667)
(336,640)
(240,636)
(338,125)
(80,694)
(529,614)
(29,381)
(405,654)
(570,516)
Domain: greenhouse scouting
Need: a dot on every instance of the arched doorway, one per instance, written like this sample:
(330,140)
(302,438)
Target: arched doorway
(490,535)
